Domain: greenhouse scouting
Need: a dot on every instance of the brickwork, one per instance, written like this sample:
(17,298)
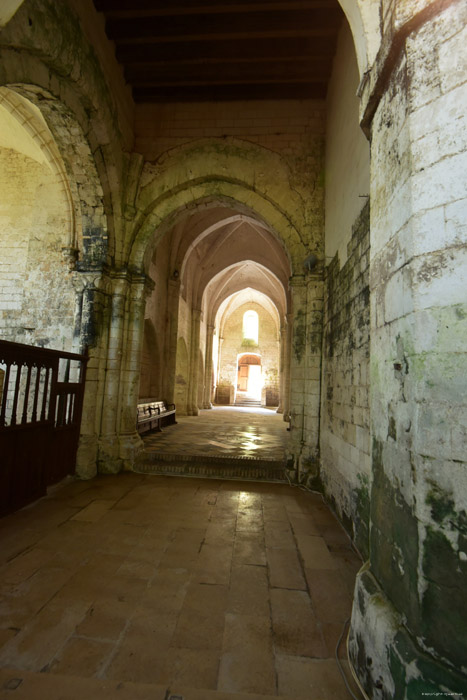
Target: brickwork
(345,415)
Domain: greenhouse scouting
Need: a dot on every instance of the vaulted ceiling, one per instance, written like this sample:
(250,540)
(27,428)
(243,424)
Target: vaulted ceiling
(183,50)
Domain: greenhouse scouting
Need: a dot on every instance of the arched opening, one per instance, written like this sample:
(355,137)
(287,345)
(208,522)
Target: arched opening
(211,254)
(249,378)
(37,230)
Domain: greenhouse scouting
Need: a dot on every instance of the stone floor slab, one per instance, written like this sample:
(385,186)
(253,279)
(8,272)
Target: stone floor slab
(247,662)
(173,588)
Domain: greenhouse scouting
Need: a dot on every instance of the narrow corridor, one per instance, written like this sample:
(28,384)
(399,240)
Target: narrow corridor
(160,587)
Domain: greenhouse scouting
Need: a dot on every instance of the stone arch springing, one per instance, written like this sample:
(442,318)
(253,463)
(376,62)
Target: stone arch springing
(37,232)
(76,164)
(33,124)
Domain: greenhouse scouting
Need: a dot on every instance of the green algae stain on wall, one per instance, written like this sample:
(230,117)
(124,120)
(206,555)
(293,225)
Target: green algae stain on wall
(361,524)
(299,336)
(445,572)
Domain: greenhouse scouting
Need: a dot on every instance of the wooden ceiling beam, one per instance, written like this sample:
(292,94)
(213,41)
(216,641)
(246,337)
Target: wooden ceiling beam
(154,8)
(227,93)
(305,47)
(227,73)
(206,27)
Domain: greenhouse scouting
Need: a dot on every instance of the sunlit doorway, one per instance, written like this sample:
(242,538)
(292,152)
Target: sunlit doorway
(250,379)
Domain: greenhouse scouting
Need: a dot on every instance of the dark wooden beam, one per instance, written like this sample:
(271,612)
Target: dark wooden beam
(228,73)
(319,22)
(153,8)
(180,51)
(226,93)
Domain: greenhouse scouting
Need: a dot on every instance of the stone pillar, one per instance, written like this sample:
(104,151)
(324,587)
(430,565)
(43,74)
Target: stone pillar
(286,378)
(309,462)
(207,395)
(305,380)
(192,407)
(282,344)
(91,334)
(129,440)
(297,367)
(171,338)
(219,360)
(109,461)
(407,636)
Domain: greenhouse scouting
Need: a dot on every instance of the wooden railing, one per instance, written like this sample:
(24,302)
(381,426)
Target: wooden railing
(41,399)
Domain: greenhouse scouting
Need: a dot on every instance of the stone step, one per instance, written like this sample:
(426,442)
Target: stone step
(251,404)
(212,466)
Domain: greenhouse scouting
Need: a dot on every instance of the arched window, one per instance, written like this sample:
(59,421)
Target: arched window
(250,326)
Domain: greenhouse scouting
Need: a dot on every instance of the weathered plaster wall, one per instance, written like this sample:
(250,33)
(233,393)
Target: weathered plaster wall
(345,414)
(347,158)
(267,348)
(409,616)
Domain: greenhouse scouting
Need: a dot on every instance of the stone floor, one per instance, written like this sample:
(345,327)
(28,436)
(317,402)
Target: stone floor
(224,431)
(138,587)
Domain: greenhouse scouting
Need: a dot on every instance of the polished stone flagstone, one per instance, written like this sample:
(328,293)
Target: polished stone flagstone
(226,431)
(141,587)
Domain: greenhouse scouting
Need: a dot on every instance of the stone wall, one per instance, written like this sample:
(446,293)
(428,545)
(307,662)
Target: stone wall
(345,413)
(409,617)
(37,298)
(347,157)
(344,418)
(289,127)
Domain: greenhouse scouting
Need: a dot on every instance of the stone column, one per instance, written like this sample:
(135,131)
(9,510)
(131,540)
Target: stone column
(297,367)
(91,334)
(305,380)
(129,440)
(286,379)
(171,338)
(282,344)
(192,407)
(219,360)
(109,461)
(409,617)
(309,462)
(207,395)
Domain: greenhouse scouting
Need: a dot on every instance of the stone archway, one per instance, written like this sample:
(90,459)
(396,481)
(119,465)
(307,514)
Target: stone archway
(244,176)
(38,230)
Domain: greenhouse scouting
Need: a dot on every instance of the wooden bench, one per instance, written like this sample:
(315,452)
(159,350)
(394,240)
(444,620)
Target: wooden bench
(154,415)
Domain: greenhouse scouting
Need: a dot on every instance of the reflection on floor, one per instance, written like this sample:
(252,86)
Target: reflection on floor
(224,431)
(145,587)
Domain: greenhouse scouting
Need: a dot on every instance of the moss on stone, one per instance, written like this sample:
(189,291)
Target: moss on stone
(394,541)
